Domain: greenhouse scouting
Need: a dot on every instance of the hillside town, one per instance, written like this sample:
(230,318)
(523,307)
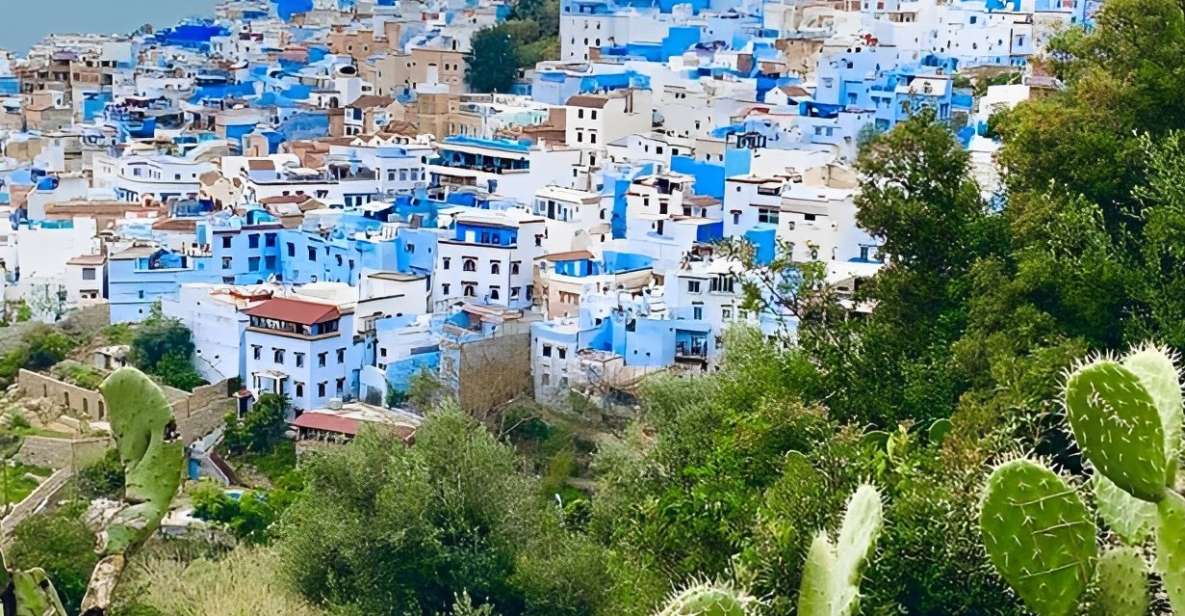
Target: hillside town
(317,194)
(330,218)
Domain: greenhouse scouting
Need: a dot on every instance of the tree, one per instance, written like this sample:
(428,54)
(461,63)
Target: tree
(176,370)
(397,529)
(492,62)
(157,338)
(46,346)
(249,517)
(260,428)
(59,542)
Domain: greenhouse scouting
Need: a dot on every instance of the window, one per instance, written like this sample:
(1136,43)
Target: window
(444,287)
(546,379)
(253,241)
(253,264)
(808,216)
(444,262)
(341,356)
(321,389)
(88,273)
(697,312)
(514,292)
(269,240)
(469,265)
(291,249)
(299,389)
(312,254)
(547,350)
(594,113)
(469,289)
(767,216)
(140,293)
(495,267)
(726,313)
(494,293)
(514,267)
(300,360)
(340,386)
(693,286)
(580,113)
(321,359)
(278,356)
(256,351)
(562,352)
(722,284)
(226,241)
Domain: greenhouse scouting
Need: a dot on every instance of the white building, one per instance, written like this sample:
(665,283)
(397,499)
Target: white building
(576,219)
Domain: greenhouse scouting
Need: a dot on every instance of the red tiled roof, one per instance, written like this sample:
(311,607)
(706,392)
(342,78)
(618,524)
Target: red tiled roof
(327,422)
(295,311)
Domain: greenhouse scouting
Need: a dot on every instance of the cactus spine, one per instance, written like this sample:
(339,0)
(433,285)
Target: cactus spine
(1126,416)
(831,576)
(708,599)
(1123,582)
(1039,535)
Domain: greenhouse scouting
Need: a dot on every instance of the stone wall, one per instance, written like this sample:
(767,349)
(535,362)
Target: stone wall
(48,490)
(198,422)
(61,452)
(85,402)
(197,412)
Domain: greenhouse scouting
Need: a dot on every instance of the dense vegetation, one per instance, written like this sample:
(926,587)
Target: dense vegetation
(163,347)
(530,35)
(980,310)
(729,477)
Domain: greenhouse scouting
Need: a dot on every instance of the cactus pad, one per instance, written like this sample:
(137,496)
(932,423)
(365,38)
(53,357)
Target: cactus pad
(831,575)
(1039,535)
(814,593)
(1129,517)
(1123,582)
(708,599)
(1117,425)
(153,457)
(1170,548)
(1157,370)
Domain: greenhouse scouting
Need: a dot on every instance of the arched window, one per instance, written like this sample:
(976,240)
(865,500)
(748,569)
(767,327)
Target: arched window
(470,265)
(495,268)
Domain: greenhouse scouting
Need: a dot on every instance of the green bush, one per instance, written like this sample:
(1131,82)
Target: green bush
(260,429)
(61,544)
(103,478)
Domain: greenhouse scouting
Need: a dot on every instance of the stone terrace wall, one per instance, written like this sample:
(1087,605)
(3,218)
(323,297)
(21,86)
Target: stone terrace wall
(46,491)
(86,402)
(197,412)
(61,452)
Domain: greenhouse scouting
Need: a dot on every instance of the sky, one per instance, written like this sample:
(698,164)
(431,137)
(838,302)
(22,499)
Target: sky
(24,22)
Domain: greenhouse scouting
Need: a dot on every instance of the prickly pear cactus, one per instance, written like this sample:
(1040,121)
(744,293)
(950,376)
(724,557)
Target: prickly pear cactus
(1131,518)
(1170,548)
(1118,427)
(709,599)
(1157,369)
(831,576)
(1123,582)
(27,593)
(152,455)
(153,458)
(1039,536)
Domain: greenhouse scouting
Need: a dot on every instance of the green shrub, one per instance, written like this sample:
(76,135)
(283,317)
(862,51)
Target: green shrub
(103,478)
